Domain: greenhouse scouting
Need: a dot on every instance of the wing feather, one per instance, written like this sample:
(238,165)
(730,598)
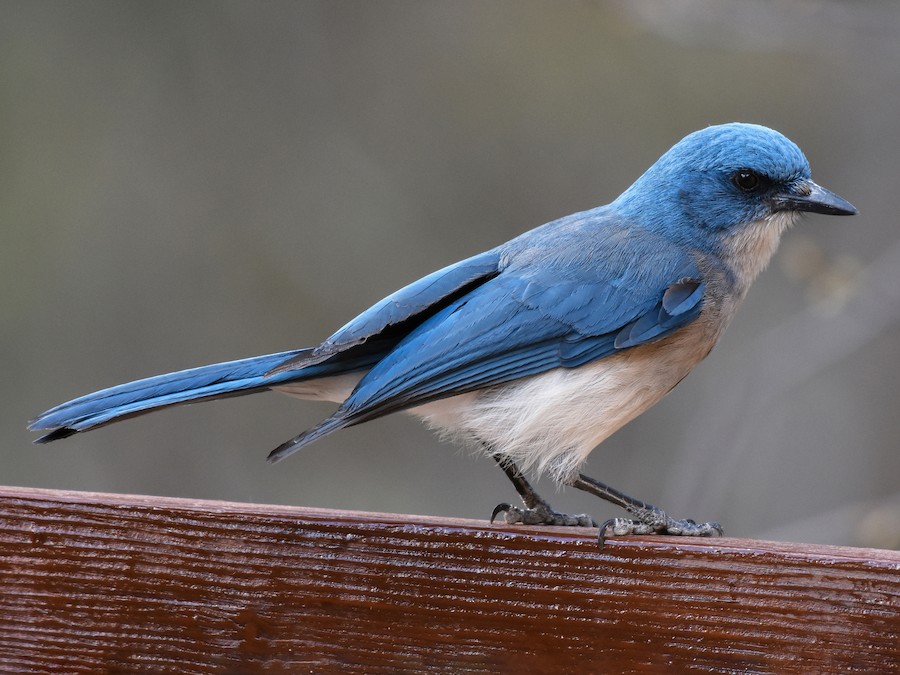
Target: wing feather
(566,308)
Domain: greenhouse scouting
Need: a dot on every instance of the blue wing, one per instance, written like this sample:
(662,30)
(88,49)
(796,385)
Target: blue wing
(562,300)
(381,326)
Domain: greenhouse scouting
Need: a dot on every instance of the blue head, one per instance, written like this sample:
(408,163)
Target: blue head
(720,179)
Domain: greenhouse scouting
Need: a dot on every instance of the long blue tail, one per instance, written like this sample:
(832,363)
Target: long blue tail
(219,380)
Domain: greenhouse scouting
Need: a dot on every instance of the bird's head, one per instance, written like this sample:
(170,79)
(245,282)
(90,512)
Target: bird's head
(720,181)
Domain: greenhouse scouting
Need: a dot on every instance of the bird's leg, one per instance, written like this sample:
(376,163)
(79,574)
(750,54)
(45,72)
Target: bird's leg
(537,511)
(647,519)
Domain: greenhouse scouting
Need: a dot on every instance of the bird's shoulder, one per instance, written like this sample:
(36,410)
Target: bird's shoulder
(596,271)
(599,244)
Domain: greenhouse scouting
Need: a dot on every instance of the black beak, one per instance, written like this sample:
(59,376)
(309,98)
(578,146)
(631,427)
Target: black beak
(807,196)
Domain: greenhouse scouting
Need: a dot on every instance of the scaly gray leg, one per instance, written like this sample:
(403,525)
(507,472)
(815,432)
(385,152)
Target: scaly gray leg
(537,511)
(648,519)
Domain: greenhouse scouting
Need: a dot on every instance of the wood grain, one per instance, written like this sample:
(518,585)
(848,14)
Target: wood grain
(123,584)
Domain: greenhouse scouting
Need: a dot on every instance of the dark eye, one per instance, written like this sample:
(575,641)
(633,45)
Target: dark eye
(746,180)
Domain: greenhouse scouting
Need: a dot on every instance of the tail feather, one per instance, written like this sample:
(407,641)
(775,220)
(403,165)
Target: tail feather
(333,423)
(219,380)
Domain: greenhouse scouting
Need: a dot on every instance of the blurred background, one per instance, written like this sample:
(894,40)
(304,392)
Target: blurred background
(190,182)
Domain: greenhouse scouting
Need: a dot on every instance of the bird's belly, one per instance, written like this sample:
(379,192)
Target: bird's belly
(550,422)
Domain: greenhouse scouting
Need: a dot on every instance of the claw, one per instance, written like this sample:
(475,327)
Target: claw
(502,507)
(601,534)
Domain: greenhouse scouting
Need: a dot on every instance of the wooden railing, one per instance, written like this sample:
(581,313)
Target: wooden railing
(123,584)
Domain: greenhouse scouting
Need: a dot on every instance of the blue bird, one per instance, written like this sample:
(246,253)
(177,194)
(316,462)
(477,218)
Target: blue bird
(539,349)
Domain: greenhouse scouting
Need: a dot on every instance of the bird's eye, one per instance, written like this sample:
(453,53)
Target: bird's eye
(746,180)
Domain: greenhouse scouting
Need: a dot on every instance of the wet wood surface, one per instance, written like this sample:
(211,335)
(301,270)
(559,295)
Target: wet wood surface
(123,584)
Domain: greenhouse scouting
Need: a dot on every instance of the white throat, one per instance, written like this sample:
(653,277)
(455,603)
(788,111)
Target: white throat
(749,250)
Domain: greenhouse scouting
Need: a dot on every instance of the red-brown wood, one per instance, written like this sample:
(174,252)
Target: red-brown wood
(124,584)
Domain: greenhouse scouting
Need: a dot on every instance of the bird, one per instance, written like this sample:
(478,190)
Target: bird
(539,349)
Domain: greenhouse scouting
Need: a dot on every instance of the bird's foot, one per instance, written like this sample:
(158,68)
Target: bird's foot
(540,514)
(656,521)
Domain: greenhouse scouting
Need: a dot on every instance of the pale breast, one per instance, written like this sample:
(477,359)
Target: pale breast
(549,423)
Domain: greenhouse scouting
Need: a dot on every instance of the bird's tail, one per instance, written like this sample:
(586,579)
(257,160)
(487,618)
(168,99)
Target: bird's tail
(234,378)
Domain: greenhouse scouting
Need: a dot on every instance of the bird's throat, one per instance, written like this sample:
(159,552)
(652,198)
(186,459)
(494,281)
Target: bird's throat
(748,251)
